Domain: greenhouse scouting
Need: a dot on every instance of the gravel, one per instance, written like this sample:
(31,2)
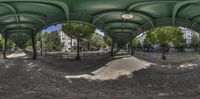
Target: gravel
(23,77)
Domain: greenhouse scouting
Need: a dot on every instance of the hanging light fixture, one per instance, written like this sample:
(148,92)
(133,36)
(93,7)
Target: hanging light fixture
(127,15)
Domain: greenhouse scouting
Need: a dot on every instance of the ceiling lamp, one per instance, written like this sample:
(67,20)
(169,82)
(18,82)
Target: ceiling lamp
(127,15)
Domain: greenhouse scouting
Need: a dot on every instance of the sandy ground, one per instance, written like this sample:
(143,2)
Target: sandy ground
(124,77)
(115,69)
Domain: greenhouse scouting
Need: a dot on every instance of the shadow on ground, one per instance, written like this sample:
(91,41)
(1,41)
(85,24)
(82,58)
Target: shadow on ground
(85,66)
(27,78)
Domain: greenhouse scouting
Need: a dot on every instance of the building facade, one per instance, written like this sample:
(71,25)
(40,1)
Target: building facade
(69,44)
(141,38)
(187,35)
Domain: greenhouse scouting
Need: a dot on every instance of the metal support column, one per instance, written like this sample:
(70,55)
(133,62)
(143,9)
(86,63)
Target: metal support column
(41,44)
(78,49)
(131,45)
(112,48)
(34,46)
(5,45)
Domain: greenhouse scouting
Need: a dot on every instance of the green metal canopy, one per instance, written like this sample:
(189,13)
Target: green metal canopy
(20,19)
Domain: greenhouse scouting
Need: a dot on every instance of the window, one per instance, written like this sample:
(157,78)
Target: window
(74,43)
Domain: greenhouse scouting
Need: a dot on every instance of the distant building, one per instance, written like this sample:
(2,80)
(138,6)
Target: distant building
(141,38)
(187,35)
(69,44)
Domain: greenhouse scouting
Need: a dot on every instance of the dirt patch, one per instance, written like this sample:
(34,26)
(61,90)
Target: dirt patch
(33,78)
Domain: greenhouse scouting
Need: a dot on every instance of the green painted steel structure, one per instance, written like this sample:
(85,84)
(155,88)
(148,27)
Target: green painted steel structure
(21,19)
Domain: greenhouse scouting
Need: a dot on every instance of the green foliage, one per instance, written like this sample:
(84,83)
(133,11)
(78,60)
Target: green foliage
(97,41)
(38,37)
(11,44)
(94,42)
(107,40)
(28,44)
(177,38)
(147,43)
(77,30)
(162,36)
(136,43)
(165,36)
(52,41)
(151,36)
(1,42)
(195,42)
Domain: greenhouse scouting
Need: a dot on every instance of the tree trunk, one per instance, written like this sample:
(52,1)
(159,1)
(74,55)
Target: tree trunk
(163,52)
(78,50)
(15,47)
(71,43)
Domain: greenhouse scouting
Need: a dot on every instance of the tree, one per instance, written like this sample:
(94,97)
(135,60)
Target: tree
(86,42)
(97,41)
(194,42)
(38,39)
(28,44)
(1,42)
(56,41)
(107,39)
(164,36)
(177,39)
(136,43)
(78,31)
(52,41)
(150,39)
(11,44)
(69,30)
(147,44)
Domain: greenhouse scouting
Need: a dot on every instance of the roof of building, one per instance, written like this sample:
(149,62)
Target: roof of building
(21,18)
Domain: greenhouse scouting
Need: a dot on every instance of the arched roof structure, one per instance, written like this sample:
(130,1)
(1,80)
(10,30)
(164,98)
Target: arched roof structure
(20,19)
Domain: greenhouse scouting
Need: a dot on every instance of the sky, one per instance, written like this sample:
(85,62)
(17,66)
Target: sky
(52,28)
(59,27)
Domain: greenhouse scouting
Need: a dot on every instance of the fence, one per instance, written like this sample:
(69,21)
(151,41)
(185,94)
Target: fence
(167,54)
(73,55)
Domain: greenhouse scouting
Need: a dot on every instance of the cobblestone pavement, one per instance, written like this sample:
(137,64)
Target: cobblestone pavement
(23,78)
